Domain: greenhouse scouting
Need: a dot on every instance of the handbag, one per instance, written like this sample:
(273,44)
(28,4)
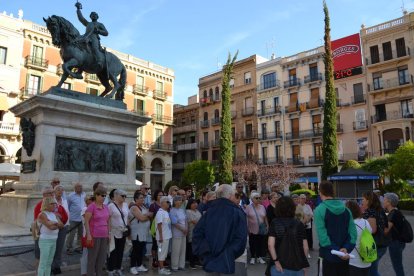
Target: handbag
(262,226)
(85,243)
(127,231)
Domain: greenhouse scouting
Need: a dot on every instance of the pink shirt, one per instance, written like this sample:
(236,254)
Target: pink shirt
(99,221)
(252,224)
(266,203)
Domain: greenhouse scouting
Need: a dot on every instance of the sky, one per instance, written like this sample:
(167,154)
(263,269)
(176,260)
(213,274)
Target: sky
(194,37)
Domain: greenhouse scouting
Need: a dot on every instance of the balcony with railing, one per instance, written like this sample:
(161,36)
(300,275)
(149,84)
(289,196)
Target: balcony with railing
(339,128)
(362,99)
(248,111)
(215,143)
(271,161)
(270,136)
(358,156)
(360,125)
(59,69)
(93,78)
(304,134)
(391,116)
(215,121)
(313,77)
(36,63)
(204,145)
(188,146)
(291,83)
(296,161)
(387,84)
(268,85)
(139,89)
(9,128)
(141,112)
(159,95)
(246,135)
(28,92)
(206,101)
(268,111)
(315,160)
(162,147)
(185,128)
(204,124)
(161,119)
(392,56)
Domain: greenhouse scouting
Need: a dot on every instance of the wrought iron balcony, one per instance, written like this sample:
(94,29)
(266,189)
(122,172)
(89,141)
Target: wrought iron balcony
(30,91)
(304,134)
(314,160)
(296,161)
(390,116)
(382,84)
(157,118)
(185,128)
(313,77)
(268,85)
(377,59)
(92,78)
(270,136)
(204,124)
(269,111)
(9,128)
(246,135)
(162,147)
(188,146)
(271,161)
(291,83)
(36,63)
(215,121)
(141,112)
(206,101)
(204,145)
(159,95)
(215,143)
(248,111)
(140,90)
(360,125)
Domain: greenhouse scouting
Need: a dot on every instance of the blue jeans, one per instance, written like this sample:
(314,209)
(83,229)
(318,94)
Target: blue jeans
(286,272)
(47,251)
(396,248)
(373,271)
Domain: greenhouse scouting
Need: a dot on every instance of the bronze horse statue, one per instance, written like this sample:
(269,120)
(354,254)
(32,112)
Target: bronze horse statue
(76,54)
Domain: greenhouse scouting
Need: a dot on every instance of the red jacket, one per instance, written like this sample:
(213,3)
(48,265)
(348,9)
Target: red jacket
(59,211)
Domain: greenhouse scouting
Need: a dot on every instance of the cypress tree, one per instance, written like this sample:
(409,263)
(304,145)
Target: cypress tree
(225,173)
(329,146)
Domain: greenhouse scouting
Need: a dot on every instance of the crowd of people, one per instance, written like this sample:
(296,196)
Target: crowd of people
(222,232)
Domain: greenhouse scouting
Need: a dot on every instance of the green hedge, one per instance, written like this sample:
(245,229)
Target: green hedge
(406,204)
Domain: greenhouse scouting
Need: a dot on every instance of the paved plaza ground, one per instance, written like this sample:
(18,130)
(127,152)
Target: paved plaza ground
(24,264)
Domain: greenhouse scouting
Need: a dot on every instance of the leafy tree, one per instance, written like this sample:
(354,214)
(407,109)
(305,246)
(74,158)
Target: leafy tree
(225,174)
(200,173)
(403,165)
(169,184)
(401,187)
(329,146)
(350,164)
(379,165)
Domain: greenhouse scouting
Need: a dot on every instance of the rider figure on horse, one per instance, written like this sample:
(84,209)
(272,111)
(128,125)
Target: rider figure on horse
(91,36)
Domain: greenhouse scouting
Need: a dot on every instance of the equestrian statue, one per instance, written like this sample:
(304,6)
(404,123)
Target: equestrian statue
(84,53)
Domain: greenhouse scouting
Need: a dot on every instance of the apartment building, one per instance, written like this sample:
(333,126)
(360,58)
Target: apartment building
(389,74)
(185,135)
(290,99)
(243,112)
(149,92)
(11,46)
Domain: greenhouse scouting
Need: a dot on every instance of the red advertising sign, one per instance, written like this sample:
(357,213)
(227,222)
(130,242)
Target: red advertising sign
(346,52)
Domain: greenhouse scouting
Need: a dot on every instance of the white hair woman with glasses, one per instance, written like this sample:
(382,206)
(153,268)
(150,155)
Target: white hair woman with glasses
(118,211)
(257,225)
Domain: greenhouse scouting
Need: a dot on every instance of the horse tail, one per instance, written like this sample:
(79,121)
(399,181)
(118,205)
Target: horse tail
(122,83)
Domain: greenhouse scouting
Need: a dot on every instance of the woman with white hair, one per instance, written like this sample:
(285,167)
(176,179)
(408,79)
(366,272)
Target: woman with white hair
(118,212)
(395,226)
(257,225)
(179,233)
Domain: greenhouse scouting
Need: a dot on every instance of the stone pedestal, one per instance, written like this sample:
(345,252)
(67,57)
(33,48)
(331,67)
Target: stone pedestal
(102,127)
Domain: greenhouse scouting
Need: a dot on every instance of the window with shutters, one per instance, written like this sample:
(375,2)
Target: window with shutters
(400,44)
(313,71)
(277,129)
(217,94)
(296,152)
(317,149)
(264,155)
(247,77)
(295,128)
(262,107)
(37,55)
(317,123)
(139,106)
(264,131)
(33,85)
(314,98)
(249,151)
(358,93)
(387,50)
(159,111)
(293,102)
(277,153)
(158,136)
(374,54)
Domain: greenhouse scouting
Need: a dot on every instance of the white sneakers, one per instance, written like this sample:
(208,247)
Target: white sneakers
(134,271)
(259,260)
(163,271)
(141,268)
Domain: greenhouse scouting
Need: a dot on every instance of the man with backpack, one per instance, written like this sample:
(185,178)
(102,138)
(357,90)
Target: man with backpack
(336,231)
(401,232)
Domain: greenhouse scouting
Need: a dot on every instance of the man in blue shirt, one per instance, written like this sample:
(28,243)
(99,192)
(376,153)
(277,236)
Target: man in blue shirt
(76,202)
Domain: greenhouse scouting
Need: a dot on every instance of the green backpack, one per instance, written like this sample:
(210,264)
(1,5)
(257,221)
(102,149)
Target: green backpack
(153,228)
(367,247)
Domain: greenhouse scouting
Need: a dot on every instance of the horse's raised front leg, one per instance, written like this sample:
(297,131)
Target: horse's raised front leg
(62,79)
(67,68)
